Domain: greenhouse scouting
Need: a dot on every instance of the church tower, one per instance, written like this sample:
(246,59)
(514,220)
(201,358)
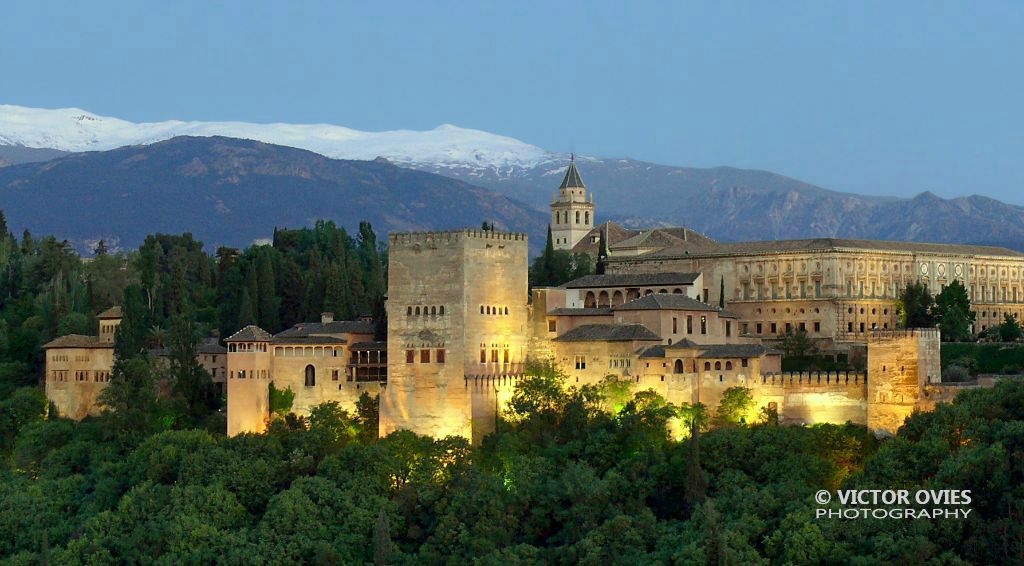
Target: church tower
(572,213)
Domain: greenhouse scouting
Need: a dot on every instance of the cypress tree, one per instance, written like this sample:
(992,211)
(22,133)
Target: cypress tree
(602,254)
(269,317)
(721,294)
(246,313)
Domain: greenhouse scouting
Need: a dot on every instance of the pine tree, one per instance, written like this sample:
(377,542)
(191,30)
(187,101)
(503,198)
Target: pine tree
(269,317)
(191,382)
(246,312)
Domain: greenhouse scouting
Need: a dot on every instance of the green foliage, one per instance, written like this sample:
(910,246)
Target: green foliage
(555,267)
(983,358)
(280,400)
(1010,330)
(952,312)
(916,306)
(797,344)
(735,406)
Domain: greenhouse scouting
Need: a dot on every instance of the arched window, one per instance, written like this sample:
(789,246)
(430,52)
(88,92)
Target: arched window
(433,311)
(506,310)
(728,365)
(417,311)
(589,300)
(677,291)
(408,311)
(440,310)
(677,367)
(586,217)
(481,309)
(488,310)
(577,217)
(310,376)
(707,366)
(602,299)
(718,365)
(617,298)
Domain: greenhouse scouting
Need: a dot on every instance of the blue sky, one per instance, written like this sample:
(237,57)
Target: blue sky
(874,97)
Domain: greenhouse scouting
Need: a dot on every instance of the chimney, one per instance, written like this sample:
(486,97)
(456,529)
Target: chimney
(326,317)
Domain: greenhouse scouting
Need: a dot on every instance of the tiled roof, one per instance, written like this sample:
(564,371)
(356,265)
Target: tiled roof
(77,341)
(684,344)
(565,311)
(324,328)
(649,239)
(657,351)
(665,301)
(830,244)
(251,333)
(736,351)
(632,280)
(211,348)
(727,314)
(112,312)
(377,345)
(615,233)
(572,179)
(608,333)
(309,340)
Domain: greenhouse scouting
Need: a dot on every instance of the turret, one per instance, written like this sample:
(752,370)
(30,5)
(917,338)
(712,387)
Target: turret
(572,211)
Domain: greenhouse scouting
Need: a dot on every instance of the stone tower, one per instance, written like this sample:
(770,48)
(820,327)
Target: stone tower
(457,308)
(248,380)
(901,363)
(572,212)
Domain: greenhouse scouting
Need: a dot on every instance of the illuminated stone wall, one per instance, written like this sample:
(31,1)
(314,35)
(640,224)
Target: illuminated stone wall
(248,397)
(76,398)
(901,364)
(479,278)
(330,382)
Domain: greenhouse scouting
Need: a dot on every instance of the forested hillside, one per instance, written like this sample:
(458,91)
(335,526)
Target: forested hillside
(574,474)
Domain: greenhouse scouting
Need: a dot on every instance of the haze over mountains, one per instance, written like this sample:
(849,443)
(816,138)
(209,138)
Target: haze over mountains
(723,202)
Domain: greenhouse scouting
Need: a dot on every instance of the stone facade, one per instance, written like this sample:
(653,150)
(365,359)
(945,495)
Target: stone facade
(456,308)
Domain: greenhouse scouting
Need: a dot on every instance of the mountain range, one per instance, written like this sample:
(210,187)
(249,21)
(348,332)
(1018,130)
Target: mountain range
(723,202)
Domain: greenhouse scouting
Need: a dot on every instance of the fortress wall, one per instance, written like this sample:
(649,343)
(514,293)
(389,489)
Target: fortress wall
(901,363)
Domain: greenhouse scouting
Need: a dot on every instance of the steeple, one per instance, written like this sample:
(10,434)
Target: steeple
(572,214)
(572,179)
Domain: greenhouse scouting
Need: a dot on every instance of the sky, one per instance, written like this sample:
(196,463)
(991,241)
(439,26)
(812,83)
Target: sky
(891,98)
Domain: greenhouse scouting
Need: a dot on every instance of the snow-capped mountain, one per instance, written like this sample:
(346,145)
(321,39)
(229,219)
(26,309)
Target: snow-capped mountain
(447,146)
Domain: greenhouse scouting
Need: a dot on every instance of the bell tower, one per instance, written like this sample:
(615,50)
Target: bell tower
(572,212)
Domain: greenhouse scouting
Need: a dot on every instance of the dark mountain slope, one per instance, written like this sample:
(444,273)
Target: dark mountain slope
(231,192)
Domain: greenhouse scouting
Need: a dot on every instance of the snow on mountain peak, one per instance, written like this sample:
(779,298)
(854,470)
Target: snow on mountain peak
(74,129)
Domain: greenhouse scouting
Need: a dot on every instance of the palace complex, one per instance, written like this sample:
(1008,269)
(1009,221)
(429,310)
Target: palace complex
(462,323)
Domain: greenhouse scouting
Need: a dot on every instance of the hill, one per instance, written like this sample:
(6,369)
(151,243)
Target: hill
(232,192)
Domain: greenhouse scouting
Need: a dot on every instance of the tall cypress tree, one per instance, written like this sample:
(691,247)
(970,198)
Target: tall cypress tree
(721,294)
(602,253)
(268,304)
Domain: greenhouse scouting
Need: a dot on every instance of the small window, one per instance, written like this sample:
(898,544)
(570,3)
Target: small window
(334,375)
(410,356)
(552,325)
(581,362)
(424,356)
(483,356)
(310,376)
(439,356)
(707,366)
(408,311)
(745,362)
(440,310)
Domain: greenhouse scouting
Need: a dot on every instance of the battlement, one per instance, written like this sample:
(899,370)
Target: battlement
(452,236)
(902,333)
(813,379)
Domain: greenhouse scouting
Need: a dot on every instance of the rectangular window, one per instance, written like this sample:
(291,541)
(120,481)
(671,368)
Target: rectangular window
(552,326)
(440,356)
(789,327)
(581,362)
(334,375)
(728,328)
(849,327)
(505,356)
(862,327)
(817,327)
(745,362)
(410,356)
(760,328)
(494,356)
(703,325)
(689,324)
(675,325)
(483,356)
(774,328)
(817,288)
(744,329)
(424,356)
